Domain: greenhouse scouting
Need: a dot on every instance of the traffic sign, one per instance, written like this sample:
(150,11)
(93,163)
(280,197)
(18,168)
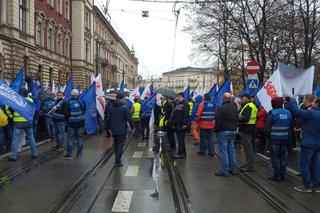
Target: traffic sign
(253,67)
(252,83)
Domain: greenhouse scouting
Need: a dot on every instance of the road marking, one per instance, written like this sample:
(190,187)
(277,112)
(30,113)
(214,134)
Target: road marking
(123,201)
(132,171)
(137,154)
(141,144)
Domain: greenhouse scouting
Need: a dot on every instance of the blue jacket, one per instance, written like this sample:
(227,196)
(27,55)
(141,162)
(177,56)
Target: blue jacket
(118,117)
(310,126)
(193,116)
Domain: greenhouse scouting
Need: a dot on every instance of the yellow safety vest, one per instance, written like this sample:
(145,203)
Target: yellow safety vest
(8,112)
(254,111)
(136,113)
(190,107)
(3,118)
(17,117)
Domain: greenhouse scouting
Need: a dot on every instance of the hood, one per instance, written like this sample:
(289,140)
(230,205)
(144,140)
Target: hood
(199,99)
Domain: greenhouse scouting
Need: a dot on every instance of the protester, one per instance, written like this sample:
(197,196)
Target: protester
(226,126)
(247,125)
(195,129)
(260,134)
(145,120)
(310,146)
(47,106)
(20,124)
(117,119)
(206,120)
(58,115)
(168,108)
(75,123)
(179,122)
(3,118)
(136,116)
(277,129)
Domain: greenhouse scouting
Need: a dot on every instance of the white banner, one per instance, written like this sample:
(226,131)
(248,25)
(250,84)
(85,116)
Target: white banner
(100,95)
(286,81)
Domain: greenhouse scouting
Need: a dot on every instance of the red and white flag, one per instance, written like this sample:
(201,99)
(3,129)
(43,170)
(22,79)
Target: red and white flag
(101,105)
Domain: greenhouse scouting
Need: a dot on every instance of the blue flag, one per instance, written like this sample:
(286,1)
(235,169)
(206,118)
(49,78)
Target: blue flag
(213,91)
(122,86)
(17,82)
(226,87)
(34,92)
(16,102)
(186,94)
(68,89)
(317,91)
(89,99)
(148,104)
(191,94)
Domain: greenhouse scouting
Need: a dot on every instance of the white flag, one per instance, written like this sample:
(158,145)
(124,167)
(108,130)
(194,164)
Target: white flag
(146,92)
(133,94)
(100,95)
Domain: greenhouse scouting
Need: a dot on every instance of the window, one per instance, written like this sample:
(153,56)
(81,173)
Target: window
(50,2)
(87,52)
(49,42)
(22,15)
(50,76)
(38,33)
(59,6)
(66,49)
(59,43)
(67,9)
(86,21)
(39,74)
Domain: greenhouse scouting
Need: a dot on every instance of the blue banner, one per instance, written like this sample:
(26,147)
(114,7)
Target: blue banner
(17,82)
(226,87)
(186,94)
(34,92)
(89,99)
(68,89)
(16,102)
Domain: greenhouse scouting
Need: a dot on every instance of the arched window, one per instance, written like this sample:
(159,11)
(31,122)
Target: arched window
(38,33)
(49,40)
(59,43)
(22,15)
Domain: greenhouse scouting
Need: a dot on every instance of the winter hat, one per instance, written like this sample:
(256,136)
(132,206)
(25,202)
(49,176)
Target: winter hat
(75,92)
(277,102)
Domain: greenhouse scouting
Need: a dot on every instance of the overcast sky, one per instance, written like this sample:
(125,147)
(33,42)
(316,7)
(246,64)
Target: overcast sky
(152,37)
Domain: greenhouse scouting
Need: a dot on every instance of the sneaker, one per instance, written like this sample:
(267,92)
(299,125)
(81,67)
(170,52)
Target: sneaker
(220,174)
(68,157)
(246,169)
(302,189)
(232,173)
(211,154)
(316,190)
(244,166)
(79,154)
(12,159)
(118,165)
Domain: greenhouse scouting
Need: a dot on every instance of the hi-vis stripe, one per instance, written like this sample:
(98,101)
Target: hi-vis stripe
(253,67)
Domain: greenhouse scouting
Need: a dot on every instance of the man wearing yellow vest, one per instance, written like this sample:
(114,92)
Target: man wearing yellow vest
(247,125)
(21,124)
(136,116)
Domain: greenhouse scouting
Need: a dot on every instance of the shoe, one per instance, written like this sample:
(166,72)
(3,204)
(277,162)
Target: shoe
(34,156)
(244,166)
(220,174)
(232,173)
(316,190)
(212,155)
(12,159)
(68,157)
(79,155)
(59,149)
(196,143)
(246,169)
(201,153)
(178,156)
(302,189)
(274,179)
(118,165)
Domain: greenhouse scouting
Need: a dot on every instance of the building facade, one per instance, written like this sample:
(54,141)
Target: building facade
(113,59)
(193,77)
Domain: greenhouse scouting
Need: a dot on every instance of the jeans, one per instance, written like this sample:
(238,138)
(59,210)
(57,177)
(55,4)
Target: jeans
(76,133)
(207,135)
(58,130)
(181,143)
(137,128)
(145,126)
(310,167)
(49,126)
(119,141)
(227,151)
(278,155)
(17,140)
(35,127)
(246,140)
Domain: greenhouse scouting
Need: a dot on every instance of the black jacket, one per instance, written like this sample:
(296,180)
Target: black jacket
(180,116)
(227,117)
(243,127)
(118,117)
(62,109)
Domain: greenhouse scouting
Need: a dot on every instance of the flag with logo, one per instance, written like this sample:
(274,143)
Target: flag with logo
(146,92)
(134,94)
(89,99)
(101,105)
(17,82)
(17,103)
(67,91)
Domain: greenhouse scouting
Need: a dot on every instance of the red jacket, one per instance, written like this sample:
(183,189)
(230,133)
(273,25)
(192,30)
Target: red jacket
(261,118)
(204,124)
